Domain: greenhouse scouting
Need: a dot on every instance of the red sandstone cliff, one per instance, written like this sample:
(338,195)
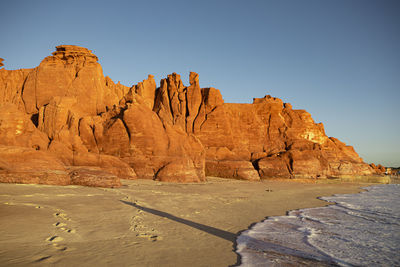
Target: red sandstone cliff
(63,122)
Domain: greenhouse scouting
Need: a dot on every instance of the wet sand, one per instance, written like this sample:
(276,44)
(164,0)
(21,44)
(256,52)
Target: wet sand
(143,223)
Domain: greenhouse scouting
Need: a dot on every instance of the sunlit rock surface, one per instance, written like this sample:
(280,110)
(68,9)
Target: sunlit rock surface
(70,124)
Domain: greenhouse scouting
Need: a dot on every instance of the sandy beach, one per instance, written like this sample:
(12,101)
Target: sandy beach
(143,223)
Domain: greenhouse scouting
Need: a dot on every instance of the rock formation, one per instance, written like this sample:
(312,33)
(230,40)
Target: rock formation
(63,122)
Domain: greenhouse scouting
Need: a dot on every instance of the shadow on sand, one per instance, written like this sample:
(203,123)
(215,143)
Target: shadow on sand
(275,250)
(205,228)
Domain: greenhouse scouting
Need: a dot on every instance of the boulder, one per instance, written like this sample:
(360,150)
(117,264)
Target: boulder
(235,169)
(93,177)
(275,166)
(29,166)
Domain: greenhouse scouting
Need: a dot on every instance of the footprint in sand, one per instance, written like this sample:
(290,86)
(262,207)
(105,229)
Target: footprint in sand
(143,231)
(72,231)
(59,247)
(43,258)
(59,224)
(149,237)
(55,238)
(62,216)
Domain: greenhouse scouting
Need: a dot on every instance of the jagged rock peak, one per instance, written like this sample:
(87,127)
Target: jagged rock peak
(267,99)
(193,77)
(174,79)
(1,62)
(67,51)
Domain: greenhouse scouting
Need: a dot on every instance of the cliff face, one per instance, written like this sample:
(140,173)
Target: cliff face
(68,124)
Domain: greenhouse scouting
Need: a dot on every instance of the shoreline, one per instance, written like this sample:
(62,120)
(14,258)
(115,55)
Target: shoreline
(145,223)
(360,186)
(326,236)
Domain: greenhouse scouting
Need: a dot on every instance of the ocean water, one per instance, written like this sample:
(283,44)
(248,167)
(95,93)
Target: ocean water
(359,230)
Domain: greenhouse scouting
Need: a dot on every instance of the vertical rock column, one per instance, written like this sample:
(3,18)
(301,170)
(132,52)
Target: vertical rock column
(193,100)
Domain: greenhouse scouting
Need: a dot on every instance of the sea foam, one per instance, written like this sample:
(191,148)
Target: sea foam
(360,230)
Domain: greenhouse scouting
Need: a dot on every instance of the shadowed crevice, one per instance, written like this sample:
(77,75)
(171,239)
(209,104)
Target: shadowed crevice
(35,119)
(255,165)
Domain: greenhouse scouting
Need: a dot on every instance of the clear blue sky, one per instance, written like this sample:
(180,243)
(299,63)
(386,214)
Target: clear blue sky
(337,59)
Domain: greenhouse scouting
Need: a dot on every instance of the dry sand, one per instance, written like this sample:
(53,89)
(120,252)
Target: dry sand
(143,223)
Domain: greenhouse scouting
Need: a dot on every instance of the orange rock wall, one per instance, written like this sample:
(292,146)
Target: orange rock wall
(67,110)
